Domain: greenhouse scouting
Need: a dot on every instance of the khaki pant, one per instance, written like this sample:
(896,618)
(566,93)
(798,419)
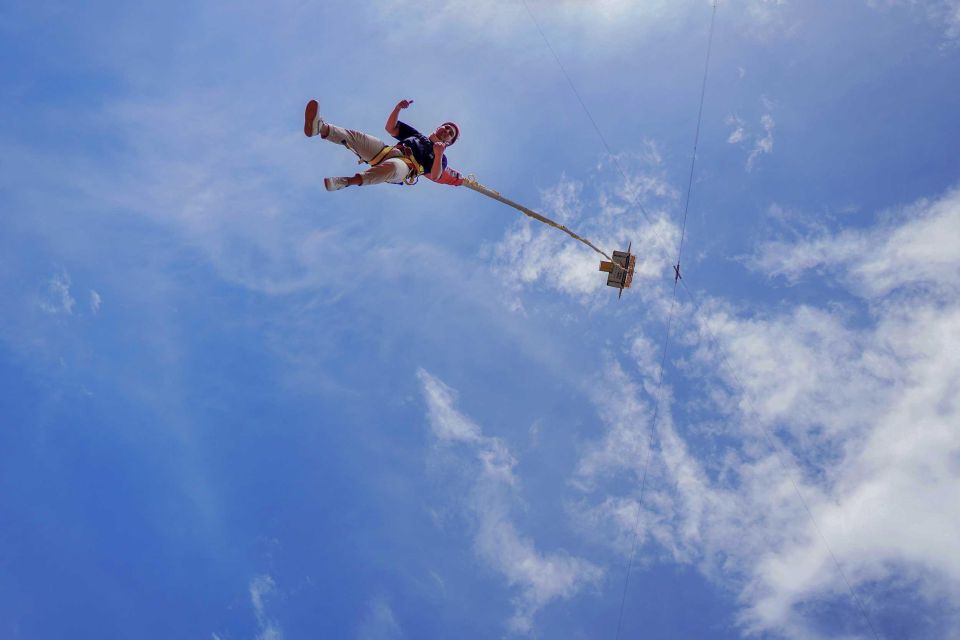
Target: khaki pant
(390,169)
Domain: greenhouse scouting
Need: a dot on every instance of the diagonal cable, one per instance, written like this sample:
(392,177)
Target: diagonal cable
(646,464)
(696,137)
(586,110)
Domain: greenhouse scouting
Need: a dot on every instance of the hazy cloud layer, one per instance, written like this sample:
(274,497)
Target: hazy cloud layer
(945,13)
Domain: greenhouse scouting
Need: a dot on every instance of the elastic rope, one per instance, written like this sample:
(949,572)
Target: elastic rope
(616,161)
(472,183)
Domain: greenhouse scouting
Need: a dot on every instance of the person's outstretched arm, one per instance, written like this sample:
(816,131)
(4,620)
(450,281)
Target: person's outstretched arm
(449,176)
(437,169)
(392,120)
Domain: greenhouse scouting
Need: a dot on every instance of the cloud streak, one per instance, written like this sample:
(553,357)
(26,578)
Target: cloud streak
(539,578)
(760,140)
(58,298)
(260,588)
(945,13)
(916,248)
(379,623)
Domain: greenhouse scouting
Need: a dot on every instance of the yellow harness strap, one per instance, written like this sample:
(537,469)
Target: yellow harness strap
(377,159)
(416,169)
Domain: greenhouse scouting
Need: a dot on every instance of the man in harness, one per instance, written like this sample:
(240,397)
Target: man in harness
(414,154)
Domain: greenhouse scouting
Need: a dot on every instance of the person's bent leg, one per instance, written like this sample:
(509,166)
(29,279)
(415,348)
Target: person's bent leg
(392,170)
(362,144)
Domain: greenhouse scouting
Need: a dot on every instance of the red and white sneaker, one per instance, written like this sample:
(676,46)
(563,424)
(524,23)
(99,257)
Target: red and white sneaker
(312,121)
(335,184)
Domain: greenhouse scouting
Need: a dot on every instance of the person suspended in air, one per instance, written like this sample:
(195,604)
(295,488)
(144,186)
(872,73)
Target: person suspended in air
(414,154)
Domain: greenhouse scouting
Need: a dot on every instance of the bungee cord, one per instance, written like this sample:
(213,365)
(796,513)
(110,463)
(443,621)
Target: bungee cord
(471,182)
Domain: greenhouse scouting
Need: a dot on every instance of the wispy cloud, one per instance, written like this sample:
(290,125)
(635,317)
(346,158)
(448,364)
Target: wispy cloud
(759,140)
(863,414)
(615,22)
(95,301)
(631,211)
(762,144)
(916,248)
(260,588)
(625,444)
(942,12)
(503,21)
(539,577)
(851,400)
(379,622)
(58,298)
(739,133)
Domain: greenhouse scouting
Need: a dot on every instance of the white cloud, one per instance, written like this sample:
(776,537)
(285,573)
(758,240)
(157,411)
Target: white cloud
(532,252)
(379,622)
(945,13)
(952,19)
(617,23)
(918,248)
(447,422)
(738,133)
(865,409)
(507,21)
(764,144)
(58,298)
(95,301)
(625,444)
(758,139)
(539,577)
(866,405)
(888,500)
(260,588)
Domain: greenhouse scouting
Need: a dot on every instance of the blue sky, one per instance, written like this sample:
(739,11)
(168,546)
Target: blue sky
(238,407)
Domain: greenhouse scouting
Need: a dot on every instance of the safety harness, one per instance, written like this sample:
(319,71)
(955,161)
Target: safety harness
(416,169)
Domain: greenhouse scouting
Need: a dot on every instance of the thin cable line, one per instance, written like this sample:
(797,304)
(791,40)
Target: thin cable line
(696,137)
(646,464)
(586,110)
(646,215)
(673,305)
(770,440)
